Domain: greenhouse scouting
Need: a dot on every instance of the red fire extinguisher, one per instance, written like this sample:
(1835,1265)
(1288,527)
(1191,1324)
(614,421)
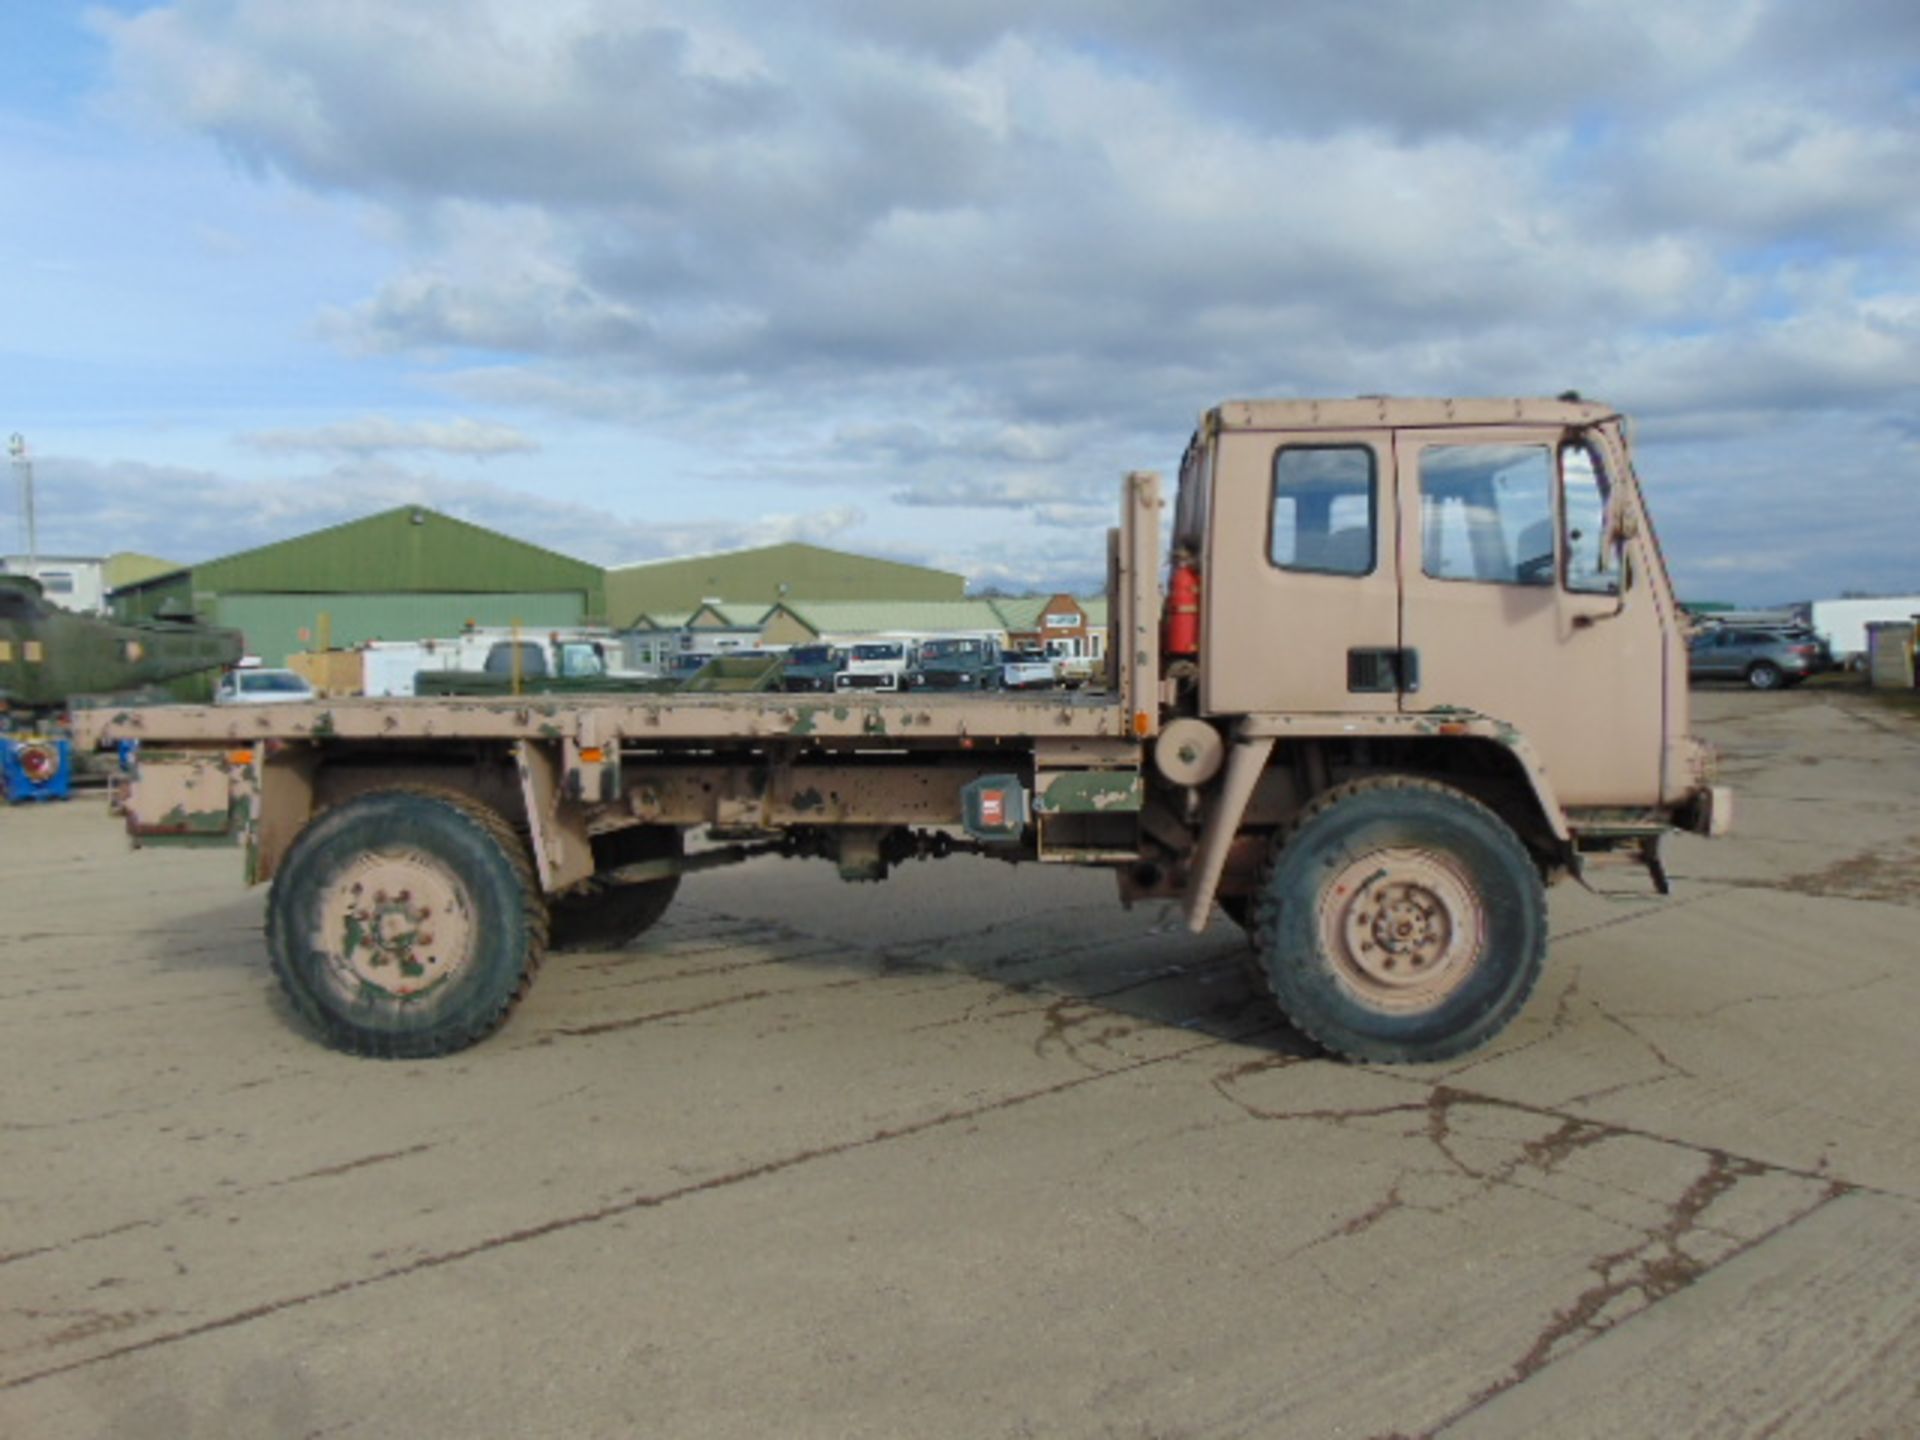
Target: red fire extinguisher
(1180,627)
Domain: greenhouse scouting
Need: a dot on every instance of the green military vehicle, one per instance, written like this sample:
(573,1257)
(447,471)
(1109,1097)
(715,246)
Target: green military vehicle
(50,658)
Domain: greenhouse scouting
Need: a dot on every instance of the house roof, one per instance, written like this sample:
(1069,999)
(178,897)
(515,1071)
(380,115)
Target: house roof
(1023,612)
(877,617)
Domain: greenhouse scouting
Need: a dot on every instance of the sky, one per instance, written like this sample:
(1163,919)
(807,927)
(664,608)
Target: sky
(632,279)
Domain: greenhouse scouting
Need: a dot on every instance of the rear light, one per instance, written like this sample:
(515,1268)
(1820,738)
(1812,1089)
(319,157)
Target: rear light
(1807,650)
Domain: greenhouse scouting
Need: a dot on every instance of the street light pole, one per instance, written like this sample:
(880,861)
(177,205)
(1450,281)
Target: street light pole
(23,465)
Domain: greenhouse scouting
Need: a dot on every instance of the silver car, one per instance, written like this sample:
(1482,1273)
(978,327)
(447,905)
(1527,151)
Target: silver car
(1764,659)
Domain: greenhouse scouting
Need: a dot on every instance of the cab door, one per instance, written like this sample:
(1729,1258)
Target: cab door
(1301,607)
(1515,603)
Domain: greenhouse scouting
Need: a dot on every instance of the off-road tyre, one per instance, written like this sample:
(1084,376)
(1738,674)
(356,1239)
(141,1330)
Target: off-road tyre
(400,994)
(1400,921)
(1241,910)
(599,916)
(1765,675)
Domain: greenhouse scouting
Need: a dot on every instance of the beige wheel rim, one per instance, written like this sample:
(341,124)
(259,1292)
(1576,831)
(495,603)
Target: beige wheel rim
(395,924)
(1403,928)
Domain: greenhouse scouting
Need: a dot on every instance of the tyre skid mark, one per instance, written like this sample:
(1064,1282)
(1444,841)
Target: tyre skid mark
(630,1205)
(57,1246)
(1004,989)
(193,1204)
(744,997)
(606,985)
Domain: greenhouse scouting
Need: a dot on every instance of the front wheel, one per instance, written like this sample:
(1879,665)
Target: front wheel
(406,923)
(1400,921)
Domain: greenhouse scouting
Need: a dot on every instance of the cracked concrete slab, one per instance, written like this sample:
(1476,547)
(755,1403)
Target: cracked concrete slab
(975,1153)
(1827,1342)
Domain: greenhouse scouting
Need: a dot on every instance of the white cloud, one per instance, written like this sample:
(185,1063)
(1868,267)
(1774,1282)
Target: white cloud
(193,515)
(983,257)
(376,434)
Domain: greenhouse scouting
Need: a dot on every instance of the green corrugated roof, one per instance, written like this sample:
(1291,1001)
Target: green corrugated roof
(768,573)
(738,617)
(874,617)
(408,548)
(130,567)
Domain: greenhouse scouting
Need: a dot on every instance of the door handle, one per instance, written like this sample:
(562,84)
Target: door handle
(1383,671)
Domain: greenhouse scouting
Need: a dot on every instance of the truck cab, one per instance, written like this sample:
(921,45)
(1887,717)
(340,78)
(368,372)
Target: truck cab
(1389,560)
(874,665)
(1422,660)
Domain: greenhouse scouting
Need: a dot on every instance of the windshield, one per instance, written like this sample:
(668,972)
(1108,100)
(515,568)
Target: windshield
(877,652)
(947,649)
(810,655)
(273,682)
(581,659)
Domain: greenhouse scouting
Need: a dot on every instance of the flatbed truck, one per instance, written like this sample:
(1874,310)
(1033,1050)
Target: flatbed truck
(1415,660)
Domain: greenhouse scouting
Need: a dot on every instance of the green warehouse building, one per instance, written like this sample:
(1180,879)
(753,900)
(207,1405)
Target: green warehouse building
(765,576)
(403,574)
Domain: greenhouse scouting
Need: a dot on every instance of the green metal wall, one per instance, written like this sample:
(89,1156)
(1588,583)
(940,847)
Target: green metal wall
(272,623)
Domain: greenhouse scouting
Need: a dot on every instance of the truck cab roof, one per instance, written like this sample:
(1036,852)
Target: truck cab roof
(1402,412)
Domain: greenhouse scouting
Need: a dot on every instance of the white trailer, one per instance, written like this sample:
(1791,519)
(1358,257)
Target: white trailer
(1843,623)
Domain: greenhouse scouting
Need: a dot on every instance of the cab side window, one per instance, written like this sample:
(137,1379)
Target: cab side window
(1486,513)
(1325,510)
(1584,491)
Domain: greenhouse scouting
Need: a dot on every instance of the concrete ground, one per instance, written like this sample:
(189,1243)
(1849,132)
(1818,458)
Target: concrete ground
(977,1153)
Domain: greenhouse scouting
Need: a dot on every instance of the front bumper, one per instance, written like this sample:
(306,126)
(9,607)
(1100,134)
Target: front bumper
(1708,811)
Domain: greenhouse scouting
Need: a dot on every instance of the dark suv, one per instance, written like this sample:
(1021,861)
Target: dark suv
(1766,659)
(812,667)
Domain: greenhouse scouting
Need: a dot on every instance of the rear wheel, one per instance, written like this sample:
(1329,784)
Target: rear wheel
(1400,921)
(600,916)
(406,923)
(1765,675)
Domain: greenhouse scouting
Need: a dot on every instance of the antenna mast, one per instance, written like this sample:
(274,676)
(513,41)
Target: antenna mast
(23,467)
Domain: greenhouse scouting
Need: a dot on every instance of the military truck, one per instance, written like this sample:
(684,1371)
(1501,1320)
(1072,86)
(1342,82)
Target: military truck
(50,657)
(1421,661)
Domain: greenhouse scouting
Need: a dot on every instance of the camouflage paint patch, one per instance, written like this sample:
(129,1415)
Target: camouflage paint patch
(1091,792)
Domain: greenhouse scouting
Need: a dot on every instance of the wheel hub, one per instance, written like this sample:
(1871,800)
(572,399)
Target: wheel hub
(398,923)
(1401,927)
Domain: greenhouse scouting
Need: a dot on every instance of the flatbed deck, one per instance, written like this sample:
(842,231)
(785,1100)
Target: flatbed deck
(613,719)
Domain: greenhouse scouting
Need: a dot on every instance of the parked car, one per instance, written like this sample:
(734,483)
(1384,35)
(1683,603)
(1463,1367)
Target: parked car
(811,667)
(1766,659)
(956,663)
(1027,671)
(262,687)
